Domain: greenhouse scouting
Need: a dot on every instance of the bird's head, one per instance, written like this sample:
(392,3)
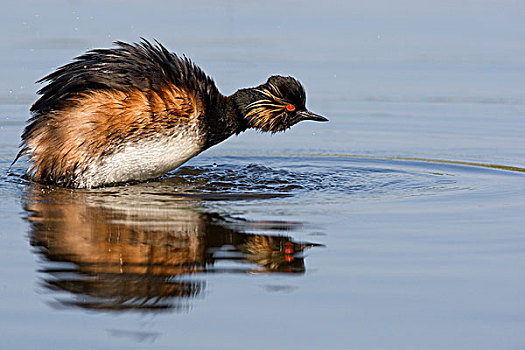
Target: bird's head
(275,105)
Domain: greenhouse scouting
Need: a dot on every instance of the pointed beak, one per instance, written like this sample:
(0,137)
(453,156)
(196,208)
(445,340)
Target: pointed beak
(307,115)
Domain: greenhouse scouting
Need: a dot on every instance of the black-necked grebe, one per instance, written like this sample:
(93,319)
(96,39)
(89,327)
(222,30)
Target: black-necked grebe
(137,111)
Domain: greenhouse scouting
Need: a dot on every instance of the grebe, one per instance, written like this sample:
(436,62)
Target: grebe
(137,111)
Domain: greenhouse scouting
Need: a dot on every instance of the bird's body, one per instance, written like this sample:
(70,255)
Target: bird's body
(135,112)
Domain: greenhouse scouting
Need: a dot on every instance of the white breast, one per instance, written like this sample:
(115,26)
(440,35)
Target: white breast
(139,161)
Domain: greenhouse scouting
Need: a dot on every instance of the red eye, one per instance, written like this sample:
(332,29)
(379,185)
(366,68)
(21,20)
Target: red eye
(290,108)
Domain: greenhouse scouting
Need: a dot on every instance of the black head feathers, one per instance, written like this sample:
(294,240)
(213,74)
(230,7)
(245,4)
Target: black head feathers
(275,105)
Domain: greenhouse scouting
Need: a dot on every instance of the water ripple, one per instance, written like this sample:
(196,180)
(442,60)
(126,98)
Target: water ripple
(291,176)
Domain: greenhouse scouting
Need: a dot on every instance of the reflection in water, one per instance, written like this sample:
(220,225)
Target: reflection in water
(132,248)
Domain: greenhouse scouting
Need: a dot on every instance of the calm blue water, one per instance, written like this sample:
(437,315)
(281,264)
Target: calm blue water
(398,225)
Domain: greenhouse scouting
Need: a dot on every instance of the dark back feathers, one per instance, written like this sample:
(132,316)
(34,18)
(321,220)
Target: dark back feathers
(141,66)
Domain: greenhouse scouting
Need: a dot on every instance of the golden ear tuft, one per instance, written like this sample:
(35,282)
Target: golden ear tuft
(266,113)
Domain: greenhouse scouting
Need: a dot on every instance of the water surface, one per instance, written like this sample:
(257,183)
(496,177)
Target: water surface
(398,225)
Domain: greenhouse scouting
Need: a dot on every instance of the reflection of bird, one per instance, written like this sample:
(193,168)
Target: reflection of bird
(131,249)
(138,111)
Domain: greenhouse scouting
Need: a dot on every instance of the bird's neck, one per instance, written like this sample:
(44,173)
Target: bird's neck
(225,119)
(238,106)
